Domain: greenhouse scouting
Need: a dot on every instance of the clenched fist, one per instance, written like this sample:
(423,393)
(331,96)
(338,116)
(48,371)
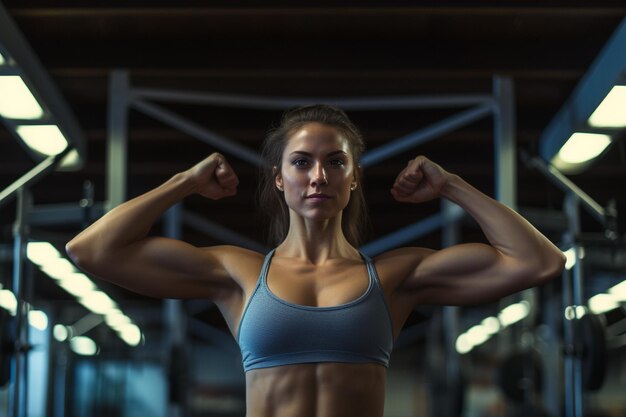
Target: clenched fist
(214,178)
(422,180)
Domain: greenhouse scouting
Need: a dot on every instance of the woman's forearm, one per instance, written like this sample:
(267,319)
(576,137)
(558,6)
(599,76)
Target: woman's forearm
(131,221)
(505,229)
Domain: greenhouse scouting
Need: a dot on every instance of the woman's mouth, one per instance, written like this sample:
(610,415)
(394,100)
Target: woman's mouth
(317,197)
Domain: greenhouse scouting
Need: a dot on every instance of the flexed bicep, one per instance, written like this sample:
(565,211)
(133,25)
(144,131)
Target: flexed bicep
(163,268)
(118,247)
(517,257)
(467,274)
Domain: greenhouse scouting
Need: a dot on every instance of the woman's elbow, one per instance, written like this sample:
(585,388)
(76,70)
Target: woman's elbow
(79,253)
(72,250)
(553,266)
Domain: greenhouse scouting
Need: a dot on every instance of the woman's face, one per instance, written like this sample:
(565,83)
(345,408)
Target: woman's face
(317,172)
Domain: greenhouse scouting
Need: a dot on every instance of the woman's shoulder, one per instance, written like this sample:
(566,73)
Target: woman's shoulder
(240,263)
(395,265)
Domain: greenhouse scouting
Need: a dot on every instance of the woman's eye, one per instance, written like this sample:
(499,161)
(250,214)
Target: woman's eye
(337,162)
(300,162)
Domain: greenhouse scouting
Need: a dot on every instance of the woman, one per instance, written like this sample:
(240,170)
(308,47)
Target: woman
(315,319)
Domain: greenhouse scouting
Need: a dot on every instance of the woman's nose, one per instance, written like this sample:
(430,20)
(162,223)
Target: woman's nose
(319,175)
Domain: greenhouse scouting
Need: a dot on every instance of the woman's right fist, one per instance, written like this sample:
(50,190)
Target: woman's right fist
(214,178)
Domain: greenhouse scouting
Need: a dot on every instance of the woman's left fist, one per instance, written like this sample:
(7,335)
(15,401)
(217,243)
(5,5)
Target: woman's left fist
(422,180)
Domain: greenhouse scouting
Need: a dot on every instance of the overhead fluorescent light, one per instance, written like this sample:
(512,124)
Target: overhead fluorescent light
(45,139)
(610,113)
(580,150)
(491,325)
(131,334)
(583,147)
(477,335)
(619,291)
(58,268)
(83,345)
(8,301)
(77,284)
(44,100)
(570,256)
(38,319)
(41,252)
(463,344)
(60,332)
(572,313)
(513,313)
(601,303)
(16,100)
(98,302)
(71,159)
(49,260)
(116,319)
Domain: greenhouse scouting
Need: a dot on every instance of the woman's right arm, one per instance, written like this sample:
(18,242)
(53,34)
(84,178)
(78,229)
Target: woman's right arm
(117,247)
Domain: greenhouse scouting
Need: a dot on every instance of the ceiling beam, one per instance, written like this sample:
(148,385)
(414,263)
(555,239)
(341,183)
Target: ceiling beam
(382,11)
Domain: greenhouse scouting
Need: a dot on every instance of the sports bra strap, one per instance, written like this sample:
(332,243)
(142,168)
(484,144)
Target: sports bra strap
(266,265)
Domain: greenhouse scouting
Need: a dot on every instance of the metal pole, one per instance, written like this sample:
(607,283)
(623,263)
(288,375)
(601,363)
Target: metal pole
(451,314)
(280,103)
(173,309)
(425,134)
(505,163)
(31,177)
(221,233)
(505,151)
(574,287)
(20,236)
(117,130)
(552,352)
(505,188)
(566,185)
(568,350)
(411,232)
(199,132)
(60,383)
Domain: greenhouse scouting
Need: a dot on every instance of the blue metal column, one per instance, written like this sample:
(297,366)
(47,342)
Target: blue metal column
(572,284)
(173,315)
(17,388)
(425,134)
(572,296)
(505,155)
(199,132)
(451,314)
(505,188)
(549,337)
(117,131)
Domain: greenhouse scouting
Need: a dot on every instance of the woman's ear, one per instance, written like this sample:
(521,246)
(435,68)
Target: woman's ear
(359,174)
(278,179)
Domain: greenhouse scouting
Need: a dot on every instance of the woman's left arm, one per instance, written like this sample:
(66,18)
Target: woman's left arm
(518,256)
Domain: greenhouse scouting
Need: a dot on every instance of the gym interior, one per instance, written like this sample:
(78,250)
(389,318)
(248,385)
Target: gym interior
(100,103)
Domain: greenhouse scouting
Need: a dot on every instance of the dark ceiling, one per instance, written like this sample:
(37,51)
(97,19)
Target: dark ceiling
(314,49)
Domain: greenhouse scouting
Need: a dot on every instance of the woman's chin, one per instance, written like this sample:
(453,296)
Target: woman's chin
(319,214)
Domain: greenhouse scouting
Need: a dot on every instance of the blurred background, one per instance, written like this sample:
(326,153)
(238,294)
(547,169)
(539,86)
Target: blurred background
(524,100)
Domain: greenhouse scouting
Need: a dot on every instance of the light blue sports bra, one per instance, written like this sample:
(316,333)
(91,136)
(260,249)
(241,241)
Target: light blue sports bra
(274,332)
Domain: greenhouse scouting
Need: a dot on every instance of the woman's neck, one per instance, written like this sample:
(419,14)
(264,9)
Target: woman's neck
(316,242)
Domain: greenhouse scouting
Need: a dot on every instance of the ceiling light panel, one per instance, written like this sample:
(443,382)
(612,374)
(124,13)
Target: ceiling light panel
(45,139)
(611,113)
(16,100)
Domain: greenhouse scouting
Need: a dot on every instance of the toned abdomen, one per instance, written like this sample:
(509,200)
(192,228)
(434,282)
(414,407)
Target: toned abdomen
(316,390)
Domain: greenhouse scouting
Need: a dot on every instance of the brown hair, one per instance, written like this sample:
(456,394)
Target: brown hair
(271,201)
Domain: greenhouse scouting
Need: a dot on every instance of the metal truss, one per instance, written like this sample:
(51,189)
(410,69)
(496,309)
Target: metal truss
(500,104)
